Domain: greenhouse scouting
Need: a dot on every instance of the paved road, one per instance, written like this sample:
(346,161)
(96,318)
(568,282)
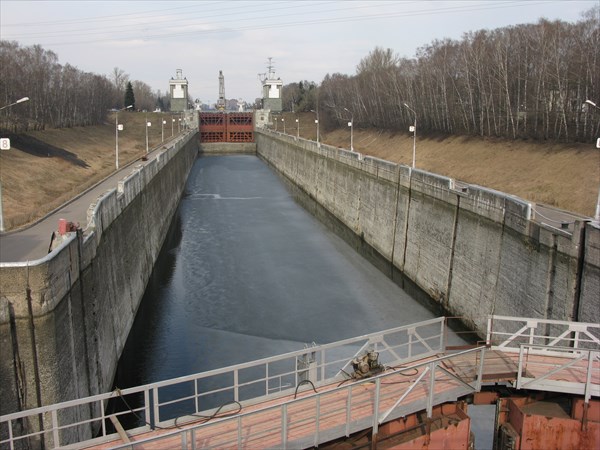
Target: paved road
(32,243)
(548,215)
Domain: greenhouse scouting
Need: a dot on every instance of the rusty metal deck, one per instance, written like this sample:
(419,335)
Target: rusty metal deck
(260,425)
(304,398)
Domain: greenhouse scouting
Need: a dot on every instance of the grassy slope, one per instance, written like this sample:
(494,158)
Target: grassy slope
(43,169)
(566,176)
(51,166)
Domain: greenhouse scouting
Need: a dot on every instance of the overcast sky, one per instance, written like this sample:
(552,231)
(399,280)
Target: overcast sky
(150,40)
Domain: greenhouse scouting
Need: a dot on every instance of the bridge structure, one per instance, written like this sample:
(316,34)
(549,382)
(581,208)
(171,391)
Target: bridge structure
(311,397)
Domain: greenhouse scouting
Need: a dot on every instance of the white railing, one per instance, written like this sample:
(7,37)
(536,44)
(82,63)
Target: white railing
(567,371)
(508,333)
(303,422)
(159,404)
(554,355)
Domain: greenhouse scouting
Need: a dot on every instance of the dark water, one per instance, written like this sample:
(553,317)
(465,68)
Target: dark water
(245,273)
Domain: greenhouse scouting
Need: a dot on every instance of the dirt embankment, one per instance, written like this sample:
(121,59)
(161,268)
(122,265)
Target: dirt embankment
(565,176)
(46,168)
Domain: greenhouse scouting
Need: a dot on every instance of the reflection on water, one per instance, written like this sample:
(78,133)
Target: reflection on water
(246,273)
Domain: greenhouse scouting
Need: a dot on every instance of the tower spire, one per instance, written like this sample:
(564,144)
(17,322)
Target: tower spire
(221,101)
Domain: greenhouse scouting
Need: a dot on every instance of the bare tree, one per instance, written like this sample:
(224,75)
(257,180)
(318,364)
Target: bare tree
(524,81)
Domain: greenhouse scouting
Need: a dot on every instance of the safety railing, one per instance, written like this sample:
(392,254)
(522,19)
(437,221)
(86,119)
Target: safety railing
(158,405)
(340,411)
(576,372)
(508,333)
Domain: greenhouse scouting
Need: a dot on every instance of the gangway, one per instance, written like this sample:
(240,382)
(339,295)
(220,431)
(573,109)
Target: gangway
(311,396)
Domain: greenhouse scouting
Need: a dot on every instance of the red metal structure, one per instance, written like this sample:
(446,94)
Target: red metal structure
(226,127)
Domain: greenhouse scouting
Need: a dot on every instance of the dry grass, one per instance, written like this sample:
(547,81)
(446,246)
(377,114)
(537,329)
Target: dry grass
(49,167)
(44,169)
(566,176)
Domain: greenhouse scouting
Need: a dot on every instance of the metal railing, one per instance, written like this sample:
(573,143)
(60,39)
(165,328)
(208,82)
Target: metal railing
(554,355)
(158,405)
(568,371)
(305,422)
(508,333)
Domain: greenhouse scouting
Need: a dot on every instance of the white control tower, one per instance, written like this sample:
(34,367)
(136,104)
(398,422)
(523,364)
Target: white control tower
(271,89)
(178,88)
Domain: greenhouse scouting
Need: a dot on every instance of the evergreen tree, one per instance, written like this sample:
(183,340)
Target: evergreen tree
(129,97)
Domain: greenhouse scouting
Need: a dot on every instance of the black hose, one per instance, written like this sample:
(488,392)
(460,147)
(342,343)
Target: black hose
(304,382)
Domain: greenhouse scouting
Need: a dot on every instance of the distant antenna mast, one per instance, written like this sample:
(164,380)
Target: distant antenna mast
(263,77)
(221,101)
(271,68)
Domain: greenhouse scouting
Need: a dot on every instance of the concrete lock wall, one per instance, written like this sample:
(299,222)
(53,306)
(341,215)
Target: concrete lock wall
(64,319)
(474,251)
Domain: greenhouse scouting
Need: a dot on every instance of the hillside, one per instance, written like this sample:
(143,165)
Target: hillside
(46,168)
(566,176)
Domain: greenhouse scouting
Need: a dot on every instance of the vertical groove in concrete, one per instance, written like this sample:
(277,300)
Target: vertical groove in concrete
(17,365)
(550,279)
(84,323)
(581,258)
(35,362)
(406,222)
(395,220)
(446,298)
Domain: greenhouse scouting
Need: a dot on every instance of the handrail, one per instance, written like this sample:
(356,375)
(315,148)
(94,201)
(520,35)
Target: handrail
(245,382)
(380,415)
(503,335)
(578,361)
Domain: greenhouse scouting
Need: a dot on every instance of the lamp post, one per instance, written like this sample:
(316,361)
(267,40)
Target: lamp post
(21,100)
(589,102)
(276,120)
(162,130)
(414,130)
(283,120)
(117,129)
(172,124)
(317,122)
(351,125)
(179,125)
(147,126)
(297,128)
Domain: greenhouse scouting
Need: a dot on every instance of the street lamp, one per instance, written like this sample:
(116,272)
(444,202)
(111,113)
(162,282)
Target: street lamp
(162,130)
(117,129)
(297,128)
(148,124)
(283,120)
(317,122)
(351,125)
(414,130)
(172,123)
(589,102)
(21,100)
(276,120)
(179,125)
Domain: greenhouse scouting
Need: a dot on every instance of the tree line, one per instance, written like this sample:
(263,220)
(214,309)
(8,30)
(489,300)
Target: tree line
(524,81)
(62,95)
